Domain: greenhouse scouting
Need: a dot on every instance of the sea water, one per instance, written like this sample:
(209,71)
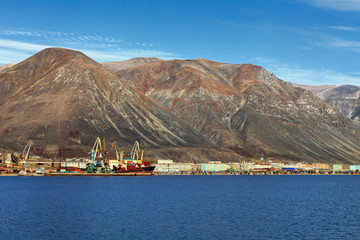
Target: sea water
(180,207)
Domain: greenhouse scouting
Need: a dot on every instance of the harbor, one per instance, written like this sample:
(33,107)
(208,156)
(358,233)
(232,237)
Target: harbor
(78,167)
(116,163)
(100,163)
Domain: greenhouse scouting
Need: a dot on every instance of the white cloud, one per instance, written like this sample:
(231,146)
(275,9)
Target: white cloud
(316,76)
(24,46)
(339,5)
(54,36)
(344,28)
(22,43)
(297,74)
(16,51)
(334,42)
(12,56)
(344,43)
(119,55)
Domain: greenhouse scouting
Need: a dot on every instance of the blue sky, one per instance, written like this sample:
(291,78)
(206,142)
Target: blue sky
(312,42)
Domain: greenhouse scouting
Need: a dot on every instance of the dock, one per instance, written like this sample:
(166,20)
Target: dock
(140,174)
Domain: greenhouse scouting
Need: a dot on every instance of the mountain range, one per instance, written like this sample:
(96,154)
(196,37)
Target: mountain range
(187,110)
(345,98)
(6,66)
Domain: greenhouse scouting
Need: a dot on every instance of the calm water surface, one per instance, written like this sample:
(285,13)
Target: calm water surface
(180,207)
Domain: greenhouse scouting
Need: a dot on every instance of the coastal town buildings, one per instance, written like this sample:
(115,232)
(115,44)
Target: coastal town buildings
(217,167)
(169,166)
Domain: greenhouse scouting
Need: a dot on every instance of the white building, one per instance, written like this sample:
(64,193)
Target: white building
(79,163)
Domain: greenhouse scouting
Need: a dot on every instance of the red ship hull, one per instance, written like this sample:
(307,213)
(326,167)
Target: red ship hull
(130,169)
(133,167)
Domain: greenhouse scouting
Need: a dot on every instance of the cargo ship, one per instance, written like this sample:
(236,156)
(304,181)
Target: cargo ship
(134,164)
(134,167)
(71,169)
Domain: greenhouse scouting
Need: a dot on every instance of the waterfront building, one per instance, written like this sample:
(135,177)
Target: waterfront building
(78,163)
(322,166)
(186,167)
(165,161)
(290,167)
(346,167)
(197,167)
(275,165)
(300,166)
(215,166)
(243,166)
(234,166)
(167,166)
(337,167)
(8,158)
(204,167)
(354,167)
(261,167)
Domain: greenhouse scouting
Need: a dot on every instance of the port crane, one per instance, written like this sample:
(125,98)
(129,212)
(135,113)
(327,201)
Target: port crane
(135,153)
(26,151)
(94,152)
(98,152)
(119,155)
(104,148)
(105,164)
(22,157)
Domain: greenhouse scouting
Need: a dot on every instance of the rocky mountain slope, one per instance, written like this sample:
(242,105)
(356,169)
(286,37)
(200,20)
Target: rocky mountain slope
(62,97)
(117,66)
(248,110)
(187,110)
(345,98)
(6,66)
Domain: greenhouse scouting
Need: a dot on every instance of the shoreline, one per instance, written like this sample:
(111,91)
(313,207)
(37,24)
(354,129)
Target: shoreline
(151,174)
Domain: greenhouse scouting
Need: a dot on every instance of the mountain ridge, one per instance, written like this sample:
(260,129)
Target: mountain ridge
(78,99)
(6,66)
(345,98)
(187,110)
(218,99)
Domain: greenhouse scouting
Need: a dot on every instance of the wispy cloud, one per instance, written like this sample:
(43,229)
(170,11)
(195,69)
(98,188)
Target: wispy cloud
(297,74)
(119,55)
(70,37)
(344,43)
(24,43)
(4,43)
(339,43)
(12,56)
(16,51)
(344,28)
(339,5)
(336,37)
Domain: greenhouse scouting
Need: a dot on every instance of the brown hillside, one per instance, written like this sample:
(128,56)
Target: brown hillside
(249,110)
(60,96)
